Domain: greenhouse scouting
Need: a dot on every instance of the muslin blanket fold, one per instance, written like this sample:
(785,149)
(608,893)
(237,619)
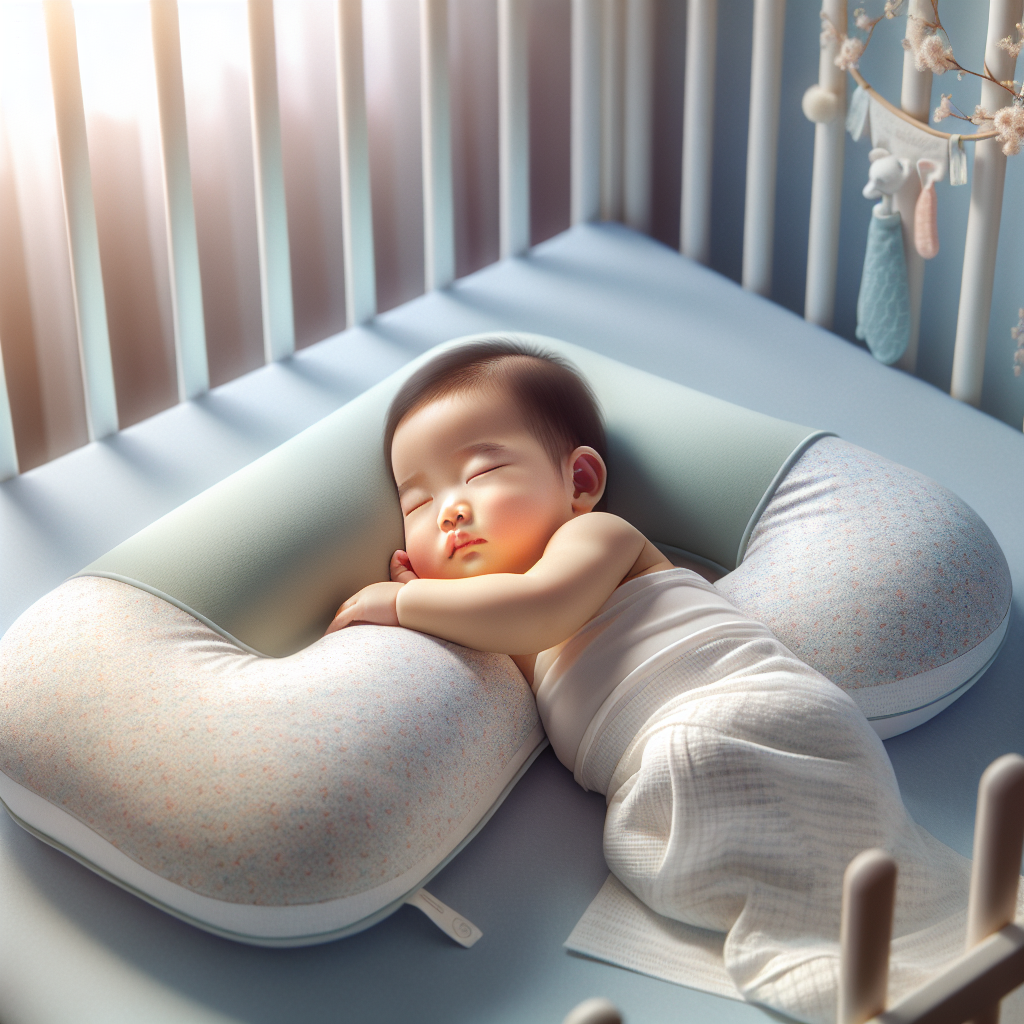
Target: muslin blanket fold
(740,784)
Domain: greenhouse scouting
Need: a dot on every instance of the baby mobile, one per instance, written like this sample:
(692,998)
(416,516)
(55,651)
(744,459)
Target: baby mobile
(902,147)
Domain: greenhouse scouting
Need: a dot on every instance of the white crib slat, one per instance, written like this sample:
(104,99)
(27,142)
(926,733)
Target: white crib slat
(639,105)
(83,240)
(585,184)
(8,449)
(869,895)
(982,239)
(698,125)
(356,205)
(513,128)
(915,99)
(998,844)
(612,32)
(182,243)
(271,209)
(763,145)
(435,99)
(826,186)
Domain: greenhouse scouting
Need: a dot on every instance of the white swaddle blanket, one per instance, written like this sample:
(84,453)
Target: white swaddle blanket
(740,784)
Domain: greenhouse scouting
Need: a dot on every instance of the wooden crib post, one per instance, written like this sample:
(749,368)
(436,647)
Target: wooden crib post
(356,205)
(763,144)
(271,209)
(826,184)
(513,128)
(585,183)
(915,99)
(638,107)
(998,845)
(869,893)
(698,129)
(436,122)
(182,242)
(982,240)
(80,216)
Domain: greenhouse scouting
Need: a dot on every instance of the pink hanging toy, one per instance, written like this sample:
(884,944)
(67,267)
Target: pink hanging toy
(926,225)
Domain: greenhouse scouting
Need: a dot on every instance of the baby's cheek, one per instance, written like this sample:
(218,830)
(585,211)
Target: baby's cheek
(424,558)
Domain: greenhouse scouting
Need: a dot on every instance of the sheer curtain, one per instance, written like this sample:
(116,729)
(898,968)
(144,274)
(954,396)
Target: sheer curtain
(37,312)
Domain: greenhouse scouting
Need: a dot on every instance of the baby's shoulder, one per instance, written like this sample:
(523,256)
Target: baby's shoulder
(602,524)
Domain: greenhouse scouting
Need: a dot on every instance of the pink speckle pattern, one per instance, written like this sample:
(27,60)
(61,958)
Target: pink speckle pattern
(869,572)
(253,780)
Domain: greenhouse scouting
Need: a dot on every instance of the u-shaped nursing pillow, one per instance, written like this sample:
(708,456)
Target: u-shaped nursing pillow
(173,717)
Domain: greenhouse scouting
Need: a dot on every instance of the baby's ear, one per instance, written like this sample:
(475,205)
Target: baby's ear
(589,476)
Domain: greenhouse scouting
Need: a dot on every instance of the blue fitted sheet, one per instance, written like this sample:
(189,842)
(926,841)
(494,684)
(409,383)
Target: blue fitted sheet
(74,947)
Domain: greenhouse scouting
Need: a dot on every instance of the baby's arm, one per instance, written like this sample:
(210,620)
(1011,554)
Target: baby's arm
(509,613)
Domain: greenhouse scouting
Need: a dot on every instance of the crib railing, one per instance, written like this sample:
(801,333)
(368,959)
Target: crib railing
(970,988)
(611,134)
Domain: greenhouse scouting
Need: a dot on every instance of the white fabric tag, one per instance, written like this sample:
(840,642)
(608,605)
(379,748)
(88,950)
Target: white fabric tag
(957,161)
(464,932)
(857,117)
(904,140)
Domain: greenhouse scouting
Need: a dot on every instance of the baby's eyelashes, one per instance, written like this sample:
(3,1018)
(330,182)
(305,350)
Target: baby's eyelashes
(408,507)
(481,472)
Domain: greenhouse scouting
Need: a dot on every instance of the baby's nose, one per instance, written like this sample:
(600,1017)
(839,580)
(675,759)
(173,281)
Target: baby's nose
(455,515)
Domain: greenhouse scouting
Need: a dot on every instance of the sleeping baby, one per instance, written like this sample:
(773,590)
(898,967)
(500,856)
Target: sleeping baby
(740,782)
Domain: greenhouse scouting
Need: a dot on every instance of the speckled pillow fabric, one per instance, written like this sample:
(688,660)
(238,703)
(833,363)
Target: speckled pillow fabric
(280,801)
(881,579)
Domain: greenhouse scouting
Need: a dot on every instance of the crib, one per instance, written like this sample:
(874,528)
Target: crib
(73,946)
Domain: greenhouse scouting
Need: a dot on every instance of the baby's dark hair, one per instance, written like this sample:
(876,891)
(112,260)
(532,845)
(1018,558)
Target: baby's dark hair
(556,402)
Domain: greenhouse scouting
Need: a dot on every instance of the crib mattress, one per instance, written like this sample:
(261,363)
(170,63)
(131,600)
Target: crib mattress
(72,946)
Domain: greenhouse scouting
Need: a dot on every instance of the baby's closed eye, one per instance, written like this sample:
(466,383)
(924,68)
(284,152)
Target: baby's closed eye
(483,472)
(410,505)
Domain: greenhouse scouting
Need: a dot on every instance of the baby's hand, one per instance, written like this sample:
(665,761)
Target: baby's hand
(401,568)
(374,604)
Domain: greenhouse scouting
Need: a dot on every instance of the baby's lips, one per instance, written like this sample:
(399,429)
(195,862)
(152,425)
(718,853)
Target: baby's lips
(458,540)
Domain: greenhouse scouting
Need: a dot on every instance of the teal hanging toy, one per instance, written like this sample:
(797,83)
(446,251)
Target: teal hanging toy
(883,305)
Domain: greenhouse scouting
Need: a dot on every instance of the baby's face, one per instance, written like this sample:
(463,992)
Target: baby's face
(479,492)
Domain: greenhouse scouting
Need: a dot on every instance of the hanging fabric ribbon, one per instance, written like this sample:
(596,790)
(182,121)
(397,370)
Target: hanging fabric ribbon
(857,116)
(926,224)
(957,161)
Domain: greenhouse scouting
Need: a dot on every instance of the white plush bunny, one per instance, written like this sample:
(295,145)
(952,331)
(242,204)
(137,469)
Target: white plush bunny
(885,177)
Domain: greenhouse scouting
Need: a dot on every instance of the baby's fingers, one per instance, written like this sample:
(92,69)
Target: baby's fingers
(344,615)
(340,620)
(401,568)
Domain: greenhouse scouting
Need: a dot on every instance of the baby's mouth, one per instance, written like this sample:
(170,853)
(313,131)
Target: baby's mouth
(459,540)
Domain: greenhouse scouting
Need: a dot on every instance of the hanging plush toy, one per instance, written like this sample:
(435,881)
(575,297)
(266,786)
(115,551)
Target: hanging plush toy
(883,305)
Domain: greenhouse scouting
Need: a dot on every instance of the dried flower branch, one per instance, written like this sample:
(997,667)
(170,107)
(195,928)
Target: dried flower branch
(851,48)
(1011,47)
(1009,122)
(929,43)
(944,109)
(1017,333)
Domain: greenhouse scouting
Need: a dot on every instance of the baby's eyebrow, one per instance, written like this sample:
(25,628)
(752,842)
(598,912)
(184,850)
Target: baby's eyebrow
(409,482)
(485,448)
